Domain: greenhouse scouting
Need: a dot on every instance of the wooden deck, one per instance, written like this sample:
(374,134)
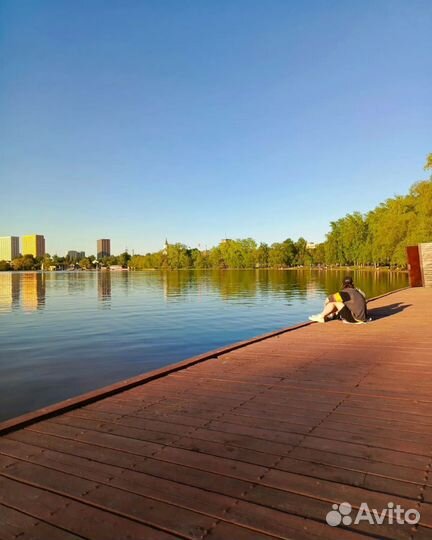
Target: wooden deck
(256,443)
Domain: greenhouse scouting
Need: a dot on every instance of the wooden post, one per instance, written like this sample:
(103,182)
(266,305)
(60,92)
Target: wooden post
(420,265)
(414,266)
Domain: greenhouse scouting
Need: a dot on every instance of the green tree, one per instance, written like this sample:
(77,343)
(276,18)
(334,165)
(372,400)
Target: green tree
(110,260)
(420,226)
(123,259)
(28,262)
(300,251)
(178,256)
(200,259)
(4,266)
(58,260)
(86,264)
(47,261)
(283,254)
(262,256)
(318,254)
(216,259)
(388,227)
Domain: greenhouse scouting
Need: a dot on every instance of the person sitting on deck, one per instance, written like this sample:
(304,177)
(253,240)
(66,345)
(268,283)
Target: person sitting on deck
(349,304)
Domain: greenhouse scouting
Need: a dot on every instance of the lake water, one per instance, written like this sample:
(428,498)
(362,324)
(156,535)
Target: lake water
(64,333)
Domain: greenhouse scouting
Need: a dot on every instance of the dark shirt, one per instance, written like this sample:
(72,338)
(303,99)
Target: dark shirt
(355,302)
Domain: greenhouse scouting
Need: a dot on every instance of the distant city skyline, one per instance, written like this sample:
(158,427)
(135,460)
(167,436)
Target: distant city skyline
(198,121)
(15,246)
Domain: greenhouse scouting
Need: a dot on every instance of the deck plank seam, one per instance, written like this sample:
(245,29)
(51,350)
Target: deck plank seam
(84,443)
(328,391)
(170,443)
(122,469)
(218,519)
(201,427)
(265,473)
(51,513)
(421,502)
(383,418)
(104,423)
(274,467)
(375,460)
(133,470)
(302,516)
(63,437)
(276,384)
(163,446)
(176,438)
(328,416)
(86,502)
(251,485)
(293,426)
(40,520)
(247,491)
(348,418)
(100,429)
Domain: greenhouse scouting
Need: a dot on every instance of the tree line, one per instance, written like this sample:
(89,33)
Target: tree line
(239,253)
(381,236)
(377,238)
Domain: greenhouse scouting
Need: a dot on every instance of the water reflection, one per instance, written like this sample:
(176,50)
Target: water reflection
(248,284)
(9,291)
(28,290)
(33,291)
(123,281)
(104,288)
(77,282)
(25,290)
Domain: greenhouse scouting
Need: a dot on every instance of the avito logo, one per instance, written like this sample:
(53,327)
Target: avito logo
(392,514)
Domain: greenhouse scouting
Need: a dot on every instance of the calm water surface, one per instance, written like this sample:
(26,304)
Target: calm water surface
(62,334)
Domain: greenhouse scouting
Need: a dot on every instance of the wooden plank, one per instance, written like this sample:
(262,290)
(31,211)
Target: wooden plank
(76,518)
(146,510)
(14,524)
(178,458)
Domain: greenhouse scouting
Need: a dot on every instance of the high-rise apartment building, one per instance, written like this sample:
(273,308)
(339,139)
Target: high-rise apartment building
(103,248)
(34,244)
(75,255)
(9,248)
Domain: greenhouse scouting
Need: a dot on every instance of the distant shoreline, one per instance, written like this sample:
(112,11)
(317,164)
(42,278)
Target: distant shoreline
(282,269)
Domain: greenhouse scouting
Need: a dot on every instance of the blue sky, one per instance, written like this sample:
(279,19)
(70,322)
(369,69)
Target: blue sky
(198,120)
